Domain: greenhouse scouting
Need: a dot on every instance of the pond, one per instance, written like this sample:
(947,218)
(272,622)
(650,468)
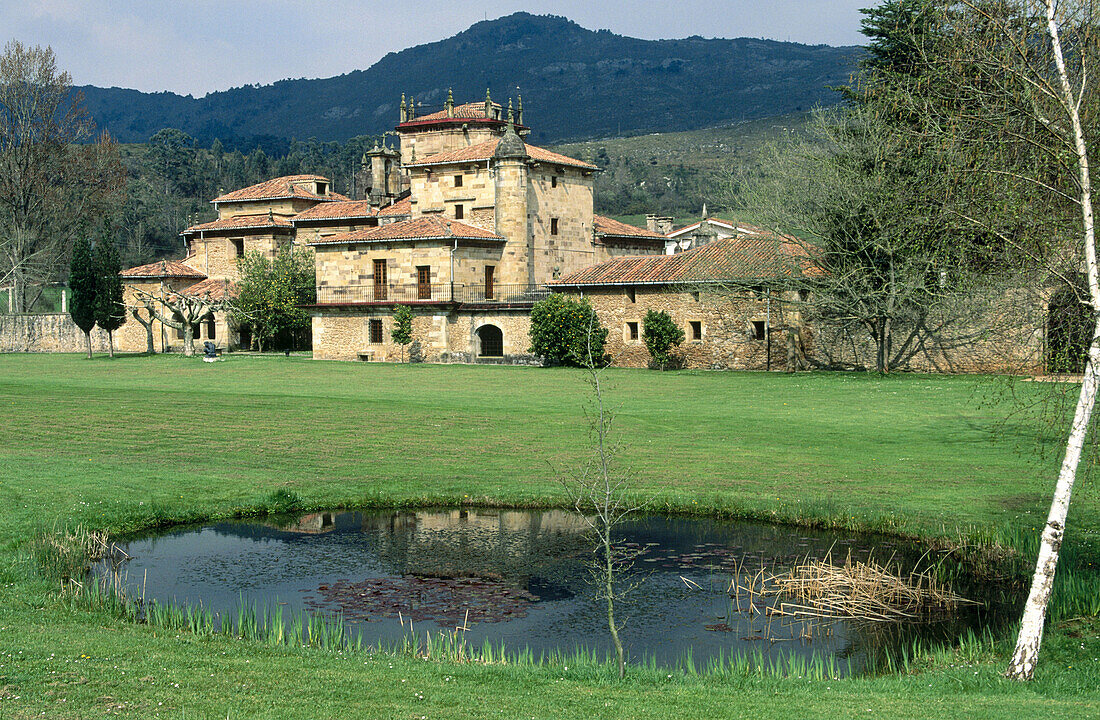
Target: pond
(520,578)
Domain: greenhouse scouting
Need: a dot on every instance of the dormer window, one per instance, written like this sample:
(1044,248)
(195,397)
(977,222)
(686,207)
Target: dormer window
(322,188)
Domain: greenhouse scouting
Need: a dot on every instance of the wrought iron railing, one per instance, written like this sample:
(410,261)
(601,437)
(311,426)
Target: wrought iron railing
(433,293)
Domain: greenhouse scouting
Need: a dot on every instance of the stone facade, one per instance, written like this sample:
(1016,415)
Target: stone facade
(50,332)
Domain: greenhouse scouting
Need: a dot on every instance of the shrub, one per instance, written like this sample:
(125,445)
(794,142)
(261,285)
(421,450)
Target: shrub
(561,329)
(660,334)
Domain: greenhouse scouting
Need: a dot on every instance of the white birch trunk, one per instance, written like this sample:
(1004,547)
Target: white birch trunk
(1026,654)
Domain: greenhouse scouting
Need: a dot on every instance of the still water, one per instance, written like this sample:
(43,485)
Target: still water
(520,578)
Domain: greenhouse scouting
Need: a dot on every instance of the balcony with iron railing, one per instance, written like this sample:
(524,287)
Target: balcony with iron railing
(434,293)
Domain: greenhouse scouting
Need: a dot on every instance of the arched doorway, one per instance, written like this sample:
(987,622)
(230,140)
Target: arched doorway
(490,341)
(1069,330)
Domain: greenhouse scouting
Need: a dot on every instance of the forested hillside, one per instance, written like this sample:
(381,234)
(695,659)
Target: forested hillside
(576,84)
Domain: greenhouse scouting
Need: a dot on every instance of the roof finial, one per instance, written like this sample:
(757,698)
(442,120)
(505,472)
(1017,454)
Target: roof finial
(511,119)
(404,109)
(519,119)
(450,104)
(412,108)
(488,104)
(704,211)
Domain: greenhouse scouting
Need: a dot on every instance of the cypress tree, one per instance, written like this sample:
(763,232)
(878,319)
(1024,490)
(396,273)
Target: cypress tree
(110,312)
(82,282)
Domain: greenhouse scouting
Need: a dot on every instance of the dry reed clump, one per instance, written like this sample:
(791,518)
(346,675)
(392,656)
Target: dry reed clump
(856,589)
(67,554)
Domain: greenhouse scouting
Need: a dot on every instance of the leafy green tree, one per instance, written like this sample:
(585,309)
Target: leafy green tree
(661,335)
(270,294)
(565,331)
(84,287)
(402,327)
(110,312)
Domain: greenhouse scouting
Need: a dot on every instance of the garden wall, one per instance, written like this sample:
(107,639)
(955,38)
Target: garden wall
(49,332)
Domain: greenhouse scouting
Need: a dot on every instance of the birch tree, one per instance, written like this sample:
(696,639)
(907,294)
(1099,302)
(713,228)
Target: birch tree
(1014,94)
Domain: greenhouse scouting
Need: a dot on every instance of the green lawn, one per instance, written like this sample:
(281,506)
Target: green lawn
(138,441)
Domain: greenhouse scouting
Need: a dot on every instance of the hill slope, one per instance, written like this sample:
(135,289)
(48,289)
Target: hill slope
(576,83)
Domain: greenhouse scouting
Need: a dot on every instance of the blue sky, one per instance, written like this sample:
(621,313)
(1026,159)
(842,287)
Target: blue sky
(198,46)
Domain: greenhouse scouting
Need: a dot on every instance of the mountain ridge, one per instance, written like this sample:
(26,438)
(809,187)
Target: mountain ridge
(576,84)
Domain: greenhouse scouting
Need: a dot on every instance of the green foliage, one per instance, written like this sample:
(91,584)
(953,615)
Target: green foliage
(84,286)
(270,293)
(110,313)
(402,325)
(565,331)
(661,335)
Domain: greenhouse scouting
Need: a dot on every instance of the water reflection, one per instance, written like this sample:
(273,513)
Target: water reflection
(519,577)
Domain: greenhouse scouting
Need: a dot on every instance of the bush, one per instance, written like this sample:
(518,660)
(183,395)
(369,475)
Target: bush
(660,334)
(560,332)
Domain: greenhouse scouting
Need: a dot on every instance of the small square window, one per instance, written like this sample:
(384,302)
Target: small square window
(630,294)
(553,226)
(632,331)
(459,211)
(238,246)
(696,329)
(458,181)
(695,296)
(375,328)
(759,329)
(553,181)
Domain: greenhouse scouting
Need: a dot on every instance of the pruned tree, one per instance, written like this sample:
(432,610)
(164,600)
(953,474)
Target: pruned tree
(110,310)
(184,312)
(83,283)
(147,305)
(48,182)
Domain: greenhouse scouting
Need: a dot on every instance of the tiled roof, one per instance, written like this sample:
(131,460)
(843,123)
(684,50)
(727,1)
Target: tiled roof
(353,209)
(742,258)
(427,227)
(241,222)
(466,111)
(162,269)
(609,227)
(717,221)
(288,186)
(212,289)
(401,207)
(484,151)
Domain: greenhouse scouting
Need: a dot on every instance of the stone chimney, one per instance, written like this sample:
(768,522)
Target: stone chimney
(659,223)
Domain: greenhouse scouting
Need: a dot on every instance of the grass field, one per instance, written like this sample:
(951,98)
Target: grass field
(139,441)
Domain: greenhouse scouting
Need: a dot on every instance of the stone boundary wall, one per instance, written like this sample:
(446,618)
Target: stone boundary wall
(50,332)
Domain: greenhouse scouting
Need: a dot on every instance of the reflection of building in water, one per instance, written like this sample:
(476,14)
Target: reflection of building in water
(484,543)
(312,524)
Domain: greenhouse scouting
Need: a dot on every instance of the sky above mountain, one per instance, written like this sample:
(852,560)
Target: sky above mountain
(200,46)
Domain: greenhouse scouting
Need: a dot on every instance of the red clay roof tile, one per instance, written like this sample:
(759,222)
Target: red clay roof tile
(741,258)
(288,186)
(484,151)
(241,222)
(427,227)
(609,227)
(162,269)
(212,289)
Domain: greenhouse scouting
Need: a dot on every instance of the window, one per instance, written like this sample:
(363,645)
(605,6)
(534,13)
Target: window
(238,246)
(632,331)
(380,281)
(553,181)
(489,282)
(553,226)
(630,294)
(695,296)
(423,282)
(459,213)
(759,329)
(322,188)
(375,328)
(458,181)
(211,328)
(696,329)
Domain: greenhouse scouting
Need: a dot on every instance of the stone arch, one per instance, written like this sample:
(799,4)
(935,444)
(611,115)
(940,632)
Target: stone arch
(490,341)
(1069,330)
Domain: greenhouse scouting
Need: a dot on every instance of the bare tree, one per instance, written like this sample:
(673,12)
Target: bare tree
(146,321)
(183,312)
(600,494)
(47,181)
